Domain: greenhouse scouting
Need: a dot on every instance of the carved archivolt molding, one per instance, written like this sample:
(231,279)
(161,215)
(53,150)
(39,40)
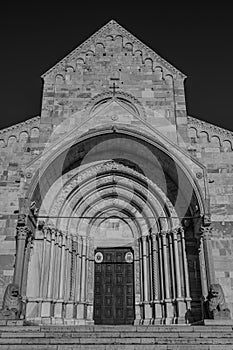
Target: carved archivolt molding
(119,95)
(102,168)
(114,29)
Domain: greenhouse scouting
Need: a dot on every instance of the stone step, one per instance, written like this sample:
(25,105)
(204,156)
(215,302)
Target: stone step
(116,337)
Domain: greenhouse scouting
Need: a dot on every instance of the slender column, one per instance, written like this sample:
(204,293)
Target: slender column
(185,264)
(25,268)
(177,265)
(58,302)
(78,272)
(155,267)
(83,274)
(161,268)
(150,269)
(51,261)
(69,313)
(90,280)
(172,265)
(81,305)
(62,267)
(87,265)
(145,269)
(21,236)
(56,264)
(165,263)
(66,258)
(68,267)
(203,272)
(168,301)
(147,306)
(203,269)
(73,268)
(43,263)
(206,233)
(156,282)
(49,236)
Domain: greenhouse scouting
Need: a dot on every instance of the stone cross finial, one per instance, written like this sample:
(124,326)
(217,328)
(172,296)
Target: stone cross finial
(114,87)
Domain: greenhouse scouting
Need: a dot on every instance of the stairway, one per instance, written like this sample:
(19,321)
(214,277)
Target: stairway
(16,337)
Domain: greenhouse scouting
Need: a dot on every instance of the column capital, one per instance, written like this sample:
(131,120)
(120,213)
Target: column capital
(206,232)
(22,232)
(154,236)
(144,238)
(175,231)
(22,220)
(163,233)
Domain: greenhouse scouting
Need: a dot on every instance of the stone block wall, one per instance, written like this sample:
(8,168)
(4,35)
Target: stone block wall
(212,146)
(18,146)
(114,56)
(77,84)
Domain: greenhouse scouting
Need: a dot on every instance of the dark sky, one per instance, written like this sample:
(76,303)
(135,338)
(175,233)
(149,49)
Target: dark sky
(197,39)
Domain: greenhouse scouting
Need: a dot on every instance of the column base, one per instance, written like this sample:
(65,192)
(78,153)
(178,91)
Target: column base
(147,320)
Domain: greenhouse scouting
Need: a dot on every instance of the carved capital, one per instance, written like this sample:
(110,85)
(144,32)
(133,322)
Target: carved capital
(154,236)
(206,220)
(206,232)
(22,232)
(163,233)
(41,224)
(22,218)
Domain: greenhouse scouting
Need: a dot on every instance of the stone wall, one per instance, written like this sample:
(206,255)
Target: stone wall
(75,86)
(114,56)
(212,146)
(17,148)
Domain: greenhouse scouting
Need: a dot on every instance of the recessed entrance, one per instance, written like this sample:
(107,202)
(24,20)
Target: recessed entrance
(114,286)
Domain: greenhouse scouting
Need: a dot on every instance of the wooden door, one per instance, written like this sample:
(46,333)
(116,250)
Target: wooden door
(114,286)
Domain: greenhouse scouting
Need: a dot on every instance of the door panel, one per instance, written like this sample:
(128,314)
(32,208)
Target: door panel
(114,288)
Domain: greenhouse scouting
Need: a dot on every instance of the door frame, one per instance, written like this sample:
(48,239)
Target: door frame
(115,249)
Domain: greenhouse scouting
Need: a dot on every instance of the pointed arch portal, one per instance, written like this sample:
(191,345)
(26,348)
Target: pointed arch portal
(114,195)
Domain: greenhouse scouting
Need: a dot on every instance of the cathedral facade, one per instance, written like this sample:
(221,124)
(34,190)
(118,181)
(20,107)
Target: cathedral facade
(116,207)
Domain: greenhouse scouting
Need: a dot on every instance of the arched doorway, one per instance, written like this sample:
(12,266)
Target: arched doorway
(114,190)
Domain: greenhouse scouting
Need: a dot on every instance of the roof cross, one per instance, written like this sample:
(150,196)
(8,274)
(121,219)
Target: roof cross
(114,87)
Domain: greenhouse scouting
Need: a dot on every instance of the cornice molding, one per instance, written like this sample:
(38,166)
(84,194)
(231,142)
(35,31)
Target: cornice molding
(113,28)
(210,128)
(32,122)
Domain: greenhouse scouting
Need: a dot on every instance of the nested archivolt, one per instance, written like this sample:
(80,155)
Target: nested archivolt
(110,186)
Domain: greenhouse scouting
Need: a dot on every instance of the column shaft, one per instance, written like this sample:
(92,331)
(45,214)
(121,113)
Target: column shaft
(51,261)
(43,263)
(206,231)
(165,262)
(62,267)
(145,268)
(172,265)
(83,274)
(21,237)
(156,294)
(161,268)
(185,264)
(177,265)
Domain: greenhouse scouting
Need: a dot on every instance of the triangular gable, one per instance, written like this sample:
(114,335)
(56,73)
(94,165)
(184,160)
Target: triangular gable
(113,28)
